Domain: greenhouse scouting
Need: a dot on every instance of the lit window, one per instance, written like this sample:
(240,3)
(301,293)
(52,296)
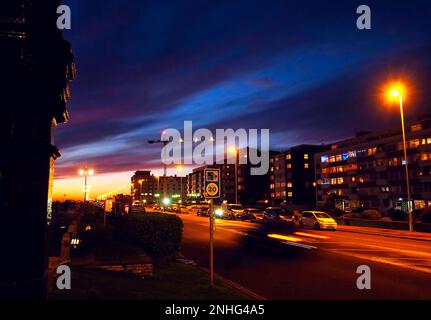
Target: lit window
(306,156)
(372,151)
(289,166)
(288,156)
(324,159)
(306,166)
(352,154)
(416,127)
(414,143)
(289,184)
(339,157)
(290,194)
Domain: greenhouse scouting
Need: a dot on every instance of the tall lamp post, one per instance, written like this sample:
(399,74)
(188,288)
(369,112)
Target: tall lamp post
(235,152)
(86,172)
(165,168)
(397,93)
(181,169)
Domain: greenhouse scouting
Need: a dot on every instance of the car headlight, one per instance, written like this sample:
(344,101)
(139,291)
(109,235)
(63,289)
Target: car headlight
(218,212)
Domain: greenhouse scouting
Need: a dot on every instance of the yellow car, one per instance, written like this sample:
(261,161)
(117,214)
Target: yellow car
(317,220)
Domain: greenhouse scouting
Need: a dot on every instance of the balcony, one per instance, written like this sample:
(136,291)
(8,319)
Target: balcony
(382,182)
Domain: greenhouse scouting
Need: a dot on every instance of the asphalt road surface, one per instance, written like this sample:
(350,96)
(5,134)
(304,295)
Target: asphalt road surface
(312,264)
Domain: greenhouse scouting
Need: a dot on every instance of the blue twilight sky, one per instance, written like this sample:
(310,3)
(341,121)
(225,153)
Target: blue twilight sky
(300,68)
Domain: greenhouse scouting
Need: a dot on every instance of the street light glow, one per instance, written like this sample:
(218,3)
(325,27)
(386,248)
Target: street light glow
(396,90)
(395,93)
(233,150)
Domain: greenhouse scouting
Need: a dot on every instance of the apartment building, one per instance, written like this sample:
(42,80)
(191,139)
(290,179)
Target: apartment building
(150,188)
(368,170)
(251,189)
(292,177)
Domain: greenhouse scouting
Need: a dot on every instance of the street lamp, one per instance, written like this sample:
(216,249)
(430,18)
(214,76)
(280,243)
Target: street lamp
(86,172)
(397,92)
(165,168)
(234,151)
(181,169)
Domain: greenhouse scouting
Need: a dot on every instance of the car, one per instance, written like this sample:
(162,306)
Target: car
(193,209)
(231,210)
(202,212)
(138,208)
(258,214)
(317,220)
(245,216)
(276,215)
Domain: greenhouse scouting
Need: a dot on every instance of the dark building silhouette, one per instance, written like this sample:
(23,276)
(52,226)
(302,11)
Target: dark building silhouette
(36,66)
(293,180)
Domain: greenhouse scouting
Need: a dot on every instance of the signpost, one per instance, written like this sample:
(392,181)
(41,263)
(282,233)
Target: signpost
(212,191)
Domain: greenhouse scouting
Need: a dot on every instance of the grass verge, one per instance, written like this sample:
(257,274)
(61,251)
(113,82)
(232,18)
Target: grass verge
(174,281)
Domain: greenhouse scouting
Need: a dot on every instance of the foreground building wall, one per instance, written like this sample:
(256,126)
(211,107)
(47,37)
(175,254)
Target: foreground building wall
(36,66)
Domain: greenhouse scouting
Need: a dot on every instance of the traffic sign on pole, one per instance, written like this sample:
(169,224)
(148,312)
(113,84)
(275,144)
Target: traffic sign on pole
(212,183)
(212,191)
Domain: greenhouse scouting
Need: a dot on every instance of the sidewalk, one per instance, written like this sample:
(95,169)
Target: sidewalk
(418,236)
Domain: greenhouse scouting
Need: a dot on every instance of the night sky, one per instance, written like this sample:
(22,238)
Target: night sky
(300,68)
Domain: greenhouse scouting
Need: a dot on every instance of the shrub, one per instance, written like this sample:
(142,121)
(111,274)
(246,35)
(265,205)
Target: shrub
(426,215)
(351,216)
(158,234)
(371,214)
(335,212)
(396,215)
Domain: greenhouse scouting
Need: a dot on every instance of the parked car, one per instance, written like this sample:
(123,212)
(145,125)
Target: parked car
(138,208)
(202,212)
(231,210)
(276,215)
(246,214)
(317,220)
(193,209)
(258,214)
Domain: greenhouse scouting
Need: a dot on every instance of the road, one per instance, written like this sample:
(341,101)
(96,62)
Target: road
(324,269)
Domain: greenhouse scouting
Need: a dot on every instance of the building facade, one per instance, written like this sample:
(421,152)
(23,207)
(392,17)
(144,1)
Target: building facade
(368,170)
(292,177)
(149,188)
(36,66)
(251,189)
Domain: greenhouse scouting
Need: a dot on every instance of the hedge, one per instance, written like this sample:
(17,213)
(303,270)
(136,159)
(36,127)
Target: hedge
(158,234)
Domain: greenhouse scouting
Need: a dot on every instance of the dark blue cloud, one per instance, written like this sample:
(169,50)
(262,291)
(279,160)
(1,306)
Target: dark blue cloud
(301,69)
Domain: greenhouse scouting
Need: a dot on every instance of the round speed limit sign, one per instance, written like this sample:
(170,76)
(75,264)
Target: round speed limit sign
(212,189)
